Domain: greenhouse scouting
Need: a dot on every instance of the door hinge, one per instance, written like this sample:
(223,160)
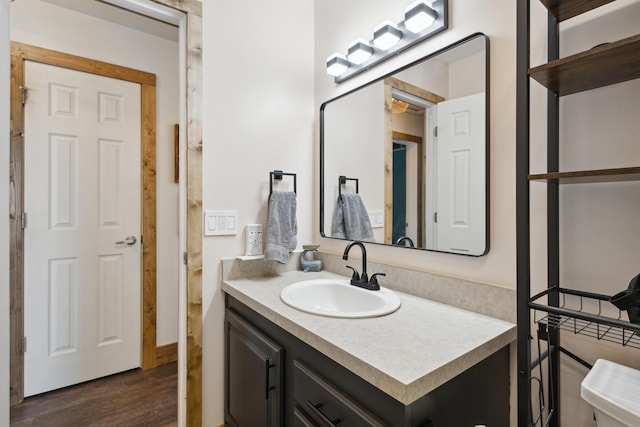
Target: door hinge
(23,91)
(184,258)
(23,345)
(23,220)
(435,131)
(435,217)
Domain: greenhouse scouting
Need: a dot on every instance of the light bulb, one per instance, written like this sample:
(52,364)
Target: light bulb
(418,16)
(337,64)
(359,51)
(386,35)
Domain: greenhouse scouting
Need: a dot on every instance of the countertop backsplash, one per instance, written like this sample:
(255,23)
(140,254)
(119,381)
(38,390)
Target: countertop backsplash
(490,300)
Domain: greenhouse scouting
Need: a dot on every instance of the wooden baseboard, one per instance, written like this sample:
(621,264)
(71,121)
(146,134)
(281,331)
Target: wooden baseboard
(167,353)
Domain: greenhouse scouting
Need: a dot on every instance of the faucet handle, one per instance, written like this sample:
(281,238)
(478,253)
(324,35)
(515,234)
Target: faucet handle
(374,278)
(355,275)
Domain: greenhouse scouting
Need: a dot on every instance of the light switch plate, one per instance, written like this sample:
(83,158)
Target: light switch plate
(220,223)
(376,217)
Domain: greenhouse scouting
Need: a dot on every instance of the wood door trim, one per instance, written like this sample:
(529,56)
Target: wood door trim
(193,334)
(19,54)
(406,137)
(79,63)
(194,231)
(193,174)
(16,265)
(413,90)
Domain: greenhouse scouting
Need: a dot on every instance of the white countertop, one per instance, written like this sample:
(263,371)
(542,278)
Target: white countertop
(406,354)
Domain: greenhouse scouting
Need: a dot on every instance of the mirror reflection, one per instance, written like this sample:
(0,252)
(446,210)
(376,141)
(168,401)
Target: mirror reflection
(404,158)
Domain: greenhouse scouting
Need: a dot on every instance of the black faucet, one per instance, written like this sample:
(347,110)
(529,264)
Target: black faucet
(405,239)
(362,281)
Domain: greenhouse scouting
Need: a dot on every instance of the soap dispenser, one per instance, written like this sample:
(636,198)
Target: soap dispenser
(306,259)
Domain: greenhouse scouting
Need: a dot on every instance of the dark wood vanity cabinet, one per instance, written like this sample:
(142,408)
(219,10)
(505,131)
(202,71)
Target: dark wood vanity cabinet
(317,391)
(253,376)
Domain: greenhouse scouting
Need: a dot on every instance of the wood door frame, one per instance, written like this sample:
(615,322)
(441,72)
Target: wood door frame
(391,83)
(20,53)
(190,338)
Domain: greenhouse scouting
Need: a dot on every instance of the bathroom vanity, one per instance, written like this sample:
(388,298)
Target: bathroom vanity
(427,363)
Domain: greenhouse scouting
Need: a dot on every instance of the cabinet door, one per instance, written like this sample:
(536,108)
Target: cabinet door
(324,404)
(253,376)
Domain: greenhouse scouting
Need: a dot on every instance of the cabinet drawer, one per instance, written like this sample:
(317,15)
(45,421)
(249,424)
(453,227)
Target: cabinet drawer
(300,419)
(325,405)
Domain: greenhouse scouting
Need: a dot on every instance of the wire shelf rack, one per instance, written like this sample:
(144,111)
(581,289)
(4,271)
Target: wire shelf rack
(586,313)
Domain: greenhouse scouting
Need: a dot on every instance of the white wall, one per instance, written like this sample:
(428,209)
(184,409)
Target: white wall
(467,76)
(258,116)
(4,213)
(46,25)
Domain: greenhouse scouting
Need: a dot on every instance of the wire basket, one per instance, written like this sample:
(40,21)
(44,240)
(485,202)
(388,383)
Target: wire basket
(588,314)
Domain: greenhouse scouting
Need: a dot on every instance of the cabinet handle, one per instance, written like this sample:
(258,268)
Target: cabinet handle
(316,410)
(267,366)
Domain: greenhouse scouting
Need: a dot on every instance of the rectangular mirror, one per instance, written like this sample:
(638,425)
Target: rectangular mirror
(404,159)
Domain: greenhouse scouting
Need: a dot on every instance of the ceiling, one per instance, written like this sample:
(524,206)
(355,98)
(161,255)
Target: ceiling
(120,16)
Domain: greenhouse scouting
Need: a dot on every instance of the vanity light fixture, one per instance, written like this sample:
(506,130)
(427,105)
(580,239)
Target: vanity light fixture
(337,64)
(386,35)
(359,51)
(418,16)
(423,19)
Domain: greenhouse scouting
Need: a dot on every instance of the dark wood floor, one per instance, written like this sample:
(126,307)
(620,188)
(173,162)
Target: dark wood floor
(133,398)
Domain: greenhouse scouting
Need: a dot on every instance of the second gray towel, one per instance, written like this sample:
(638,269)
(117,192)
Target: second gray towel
(351,219)
(282,227)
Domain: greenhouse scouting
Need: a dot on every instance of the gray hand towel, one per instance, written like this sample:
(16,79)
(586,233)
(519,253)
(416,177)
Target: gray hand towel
(337,221)
(282,227)
(351,219)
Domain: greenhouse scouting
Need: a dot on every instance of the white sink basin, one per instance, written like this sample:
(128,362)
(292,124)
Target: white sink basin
(338,298)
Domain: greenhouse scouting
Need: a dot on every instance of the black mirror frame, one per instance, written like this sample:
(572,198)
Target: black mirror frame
(487,139)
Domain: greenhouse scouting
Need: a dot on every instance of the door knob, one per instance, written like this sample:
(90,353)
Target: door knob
(129,240)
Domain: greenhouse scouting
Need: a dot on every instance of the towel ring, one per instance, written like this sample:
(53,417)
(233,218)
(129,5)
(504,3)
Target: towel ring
(342,180)
(278,175)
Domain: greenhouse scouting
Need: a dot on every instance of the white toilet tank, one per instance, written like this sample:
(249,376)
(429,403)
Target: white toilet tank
(613,391)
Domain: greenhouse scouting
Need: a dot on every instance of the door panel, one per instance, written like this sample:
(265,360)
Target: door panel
(110,307)
(82,195)
(63,308)
(460,156)
(62,181)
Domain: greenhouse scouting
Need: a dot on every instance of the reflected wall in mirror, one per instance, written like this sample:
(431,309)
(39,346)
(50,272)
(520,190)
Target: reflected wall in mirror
(411,149)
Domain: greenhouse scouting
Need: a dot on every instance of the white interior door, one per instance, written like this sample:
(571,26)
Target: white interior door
(461,175)
(82,196)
